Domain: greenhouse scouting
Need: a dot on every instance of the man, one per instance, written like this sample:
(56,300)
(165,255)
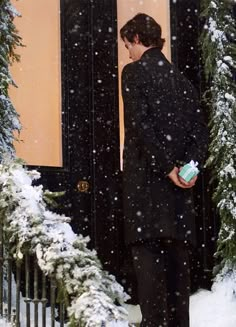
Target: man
(164,129)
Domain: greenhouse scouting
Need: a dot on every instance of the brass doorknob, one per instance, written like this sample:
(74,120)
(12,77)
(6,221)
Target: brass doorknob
(83,186)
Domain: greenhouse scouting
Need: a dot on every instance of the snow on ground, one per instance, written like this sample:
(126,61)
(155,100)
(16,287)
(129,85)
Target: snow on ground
(215,308)
(3,323)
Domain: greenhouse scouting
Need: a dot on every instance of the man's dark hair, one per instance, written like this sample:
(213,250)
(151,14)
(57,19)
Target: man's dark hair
(147,29)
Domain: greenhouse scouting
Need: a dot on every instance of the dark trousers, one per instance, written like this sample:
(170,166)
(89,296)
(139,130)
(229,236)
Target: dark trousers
(162,271)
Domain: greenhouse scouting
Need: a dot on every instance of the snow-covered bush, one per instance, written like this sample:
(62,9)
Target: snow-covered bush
(219,54)
(93,295)
(9,40)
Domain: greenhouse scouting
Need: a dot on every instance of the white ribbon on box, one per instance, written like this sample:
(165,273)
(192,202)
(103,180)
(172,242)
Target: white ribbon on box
(193,168)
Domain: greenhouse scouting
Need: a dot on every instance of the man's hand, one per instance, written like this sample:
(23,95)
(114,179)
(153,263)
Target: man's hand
(178,181)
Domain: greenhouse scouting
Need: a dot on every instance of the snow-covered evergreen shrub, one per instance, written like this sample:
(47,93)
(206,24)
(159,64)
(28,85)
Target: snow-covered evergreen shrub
(93,295)
(219,54)
(9,40)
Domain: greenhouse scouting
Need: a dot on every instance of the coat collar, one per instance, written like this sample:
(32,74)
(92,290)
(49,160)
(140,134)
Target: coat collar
(152,52)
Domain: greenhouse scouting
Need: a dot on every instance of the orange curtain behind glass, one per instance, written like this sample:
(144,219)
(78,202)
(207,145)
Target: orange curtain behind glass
(38,76)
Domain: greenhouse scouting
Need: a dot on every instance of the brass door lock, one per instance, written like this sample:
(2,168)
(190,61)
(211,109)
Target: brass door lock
(83,186)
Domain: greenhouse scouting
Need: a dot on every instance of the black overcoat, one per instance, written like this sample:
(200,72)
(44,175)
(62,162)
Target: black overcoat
(164,127)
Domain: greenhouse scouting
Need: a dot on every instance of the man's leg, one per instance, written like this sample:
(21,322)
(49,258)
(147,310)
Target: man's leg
(178,283)
(149,265)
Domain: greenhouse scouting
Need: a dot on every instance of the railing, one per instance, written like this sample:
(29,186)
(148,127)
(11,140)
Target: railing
(27,297)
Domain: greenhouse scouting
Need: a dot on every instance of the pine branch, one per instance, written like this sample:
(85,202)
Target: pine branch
(9,41)
(92,294)
(219,54)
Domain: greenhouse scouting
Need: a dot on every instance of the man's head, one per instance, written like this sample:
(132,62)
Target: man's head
(140,33)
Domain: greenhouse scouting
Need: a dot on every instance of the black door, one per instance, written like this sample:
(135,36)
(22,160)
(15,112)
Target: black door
(91,83)
(91,173)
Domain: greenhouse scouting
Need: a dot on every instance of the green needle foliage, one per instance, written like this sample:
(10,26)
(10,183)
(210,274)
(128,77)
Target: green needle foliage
(219,53)
(9,40)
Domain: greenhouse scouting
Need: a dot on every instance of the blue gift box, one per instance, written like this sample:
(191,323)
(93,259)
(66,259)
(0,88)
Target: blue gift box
(189,171)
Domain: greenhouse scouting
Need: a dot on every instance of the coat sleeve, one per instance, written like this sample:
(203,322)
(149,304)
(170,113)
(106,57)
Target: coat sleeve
(197,134)
(133,87)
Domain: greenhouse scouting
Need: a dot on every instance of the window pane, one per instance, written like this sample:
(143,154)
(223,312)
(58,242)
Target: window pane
(38,76)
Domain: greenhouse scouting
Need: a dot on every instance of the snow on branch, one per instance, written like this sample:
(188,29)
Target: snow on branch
(29,227)
(9,40)
(219,49)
